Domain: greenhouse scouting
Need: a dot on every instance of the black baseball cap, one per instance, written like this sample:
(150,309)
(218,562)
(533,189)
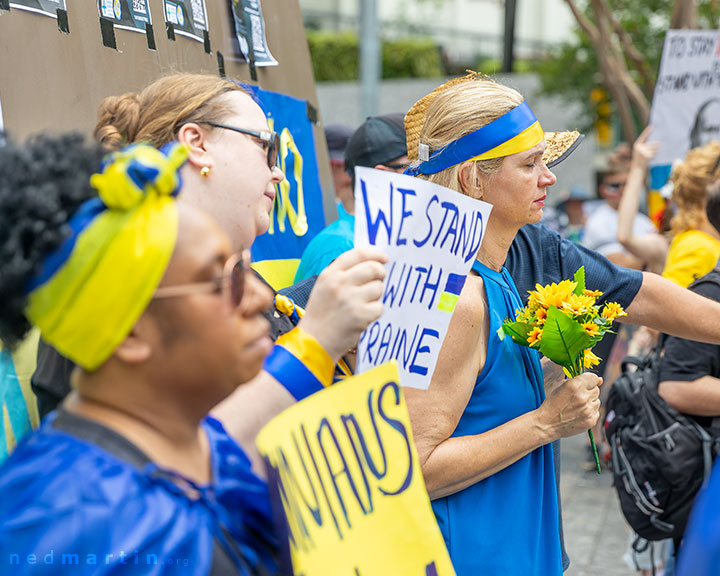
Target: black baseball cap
(378,140)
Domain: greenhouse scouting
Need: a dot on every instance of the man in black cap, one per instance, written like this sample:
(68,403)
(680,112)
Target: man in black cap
(378,143)
(337,137)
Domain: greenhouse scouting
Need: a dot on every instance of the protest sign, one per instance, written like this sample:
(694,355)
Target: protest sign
(432,235)
(126,14)
(46,7)
(686,104)
(343,470)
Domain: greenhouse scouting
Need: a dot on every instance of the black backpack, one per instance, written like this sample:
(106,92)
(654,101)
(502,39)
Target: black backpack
(659,456)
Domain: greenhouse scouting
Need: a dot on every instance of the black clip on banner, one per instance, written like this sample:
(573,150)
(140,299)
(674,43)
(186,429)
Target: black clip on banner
(206,41)
(5,5)
(221,64)
(312,113)
(107,29)
(150,33)
(253,69)
(62,21)
(170,30)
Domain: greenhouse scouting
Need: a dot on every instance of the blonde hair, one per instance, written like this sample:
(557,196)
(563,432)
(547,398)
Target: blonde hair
(157,113)
(690,186)
(460,110)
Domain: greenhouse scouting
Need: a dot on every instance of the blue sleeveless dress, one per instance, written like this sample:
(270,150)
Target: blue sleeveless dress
(507,524)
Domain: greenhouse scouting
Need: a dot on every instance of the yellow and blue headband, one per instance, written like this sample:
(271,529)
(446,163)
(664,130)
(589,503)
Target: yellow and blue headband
(515,131)
(90,293)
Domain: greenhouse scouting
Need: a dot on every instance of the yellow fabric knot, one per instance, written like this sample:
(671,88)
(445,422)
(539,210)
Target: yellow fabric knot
(130,174)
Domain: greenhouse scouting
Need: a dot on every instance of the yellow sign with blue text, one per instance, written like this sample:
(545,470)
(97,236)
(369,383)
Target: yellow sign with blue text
(344,472)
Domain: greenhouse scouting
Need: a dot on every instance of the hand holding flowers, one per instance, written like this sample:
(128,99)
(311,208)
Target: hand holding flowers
(563,321)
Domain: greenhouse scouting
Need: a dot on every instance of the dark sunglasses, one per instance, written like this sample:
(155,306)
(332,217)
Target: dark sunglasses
(269,140)
(231,284)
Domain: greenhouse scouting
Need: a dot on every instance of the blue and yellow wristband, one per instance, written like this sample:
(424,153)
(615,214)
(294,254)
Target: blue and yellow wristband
(300,364)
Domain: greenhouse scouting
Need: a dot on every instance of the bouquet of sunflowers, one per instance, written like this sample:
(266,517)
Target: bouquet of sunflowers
(563,322)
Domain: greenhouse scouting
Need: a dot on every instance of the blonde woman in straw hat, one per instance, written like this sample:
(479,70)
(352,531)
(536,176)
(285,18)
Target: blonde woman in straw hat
(483,428)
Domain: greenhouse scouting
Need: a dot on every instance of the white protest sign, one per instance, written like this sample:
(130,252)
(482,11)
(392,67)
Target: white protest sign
(686,104)
(432,235)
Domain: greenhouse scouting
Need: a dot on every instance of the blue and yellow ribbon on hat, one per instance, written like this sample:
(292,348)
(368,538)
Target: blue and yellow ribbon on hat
(93,289)
(515,131)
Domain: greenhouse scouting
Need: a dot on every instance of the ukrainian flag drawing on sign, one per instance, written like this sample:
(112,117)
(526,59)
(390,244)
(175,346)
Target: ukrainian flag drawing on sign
(449,297)
(345,477)
(297,214)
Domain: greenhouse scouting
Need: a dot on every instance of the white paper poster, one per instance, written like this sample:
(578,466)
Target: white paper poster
(188,17)
(432,235)
(686,104)
(46,7)
(250,27)
(126,14)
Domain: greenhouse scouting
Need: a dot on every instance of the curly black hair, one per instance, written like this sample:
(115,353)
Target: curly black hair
(42,183)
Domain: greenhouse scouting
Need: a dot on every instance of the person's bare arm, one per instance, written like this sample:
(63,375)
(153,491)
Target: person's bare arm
(650,249)
(344,301)
(669,308)
(700,397)
(450,464)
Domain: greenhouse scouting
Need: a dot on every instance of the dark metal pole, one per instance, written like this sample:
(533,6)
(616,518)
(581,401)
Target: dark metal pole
(509,38)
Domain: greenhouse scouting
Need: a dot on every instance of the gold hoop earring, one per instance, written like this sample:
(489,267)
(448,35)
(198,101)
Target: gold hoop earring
(205,171)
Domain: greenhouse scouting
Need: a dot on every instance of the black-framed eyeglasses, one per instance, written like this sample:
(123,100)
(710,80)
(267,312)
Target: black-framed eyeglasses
(270,140)
(231,284)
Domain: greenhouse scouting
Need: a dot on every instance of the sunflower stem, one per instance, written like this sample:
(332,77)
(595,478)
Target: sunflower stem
(595,452)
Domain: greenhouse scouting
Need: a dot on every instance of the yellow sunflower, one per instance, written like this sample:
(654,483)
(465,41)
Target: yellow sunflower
(534,336)
(541,315)
(593,293)
(613,310)
(578,304)
(554,294)
(590,360)
(591,328)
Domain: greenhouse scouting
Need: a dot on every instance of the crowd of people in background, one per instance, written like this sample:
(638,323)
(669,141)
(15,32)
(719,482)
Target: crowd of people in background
(163,353)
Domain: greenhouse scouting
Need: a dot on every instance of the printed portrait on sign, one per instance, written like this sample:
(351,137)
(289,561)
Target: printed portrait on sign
(706,127)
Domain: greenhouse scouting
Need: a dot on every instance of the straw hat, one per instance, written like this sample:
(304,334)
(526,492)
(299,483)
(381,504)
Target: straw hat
(559,144)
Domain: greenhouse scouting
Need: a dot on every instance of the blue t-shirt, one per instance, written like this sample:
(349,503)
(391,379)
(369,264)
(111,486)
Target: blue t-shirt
(71,507)
(699,554)
(332,241)
(506,524)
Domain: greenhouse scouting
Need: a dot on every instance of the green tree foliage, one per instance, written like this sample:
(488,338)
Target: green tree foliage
(335,57)
(571,70)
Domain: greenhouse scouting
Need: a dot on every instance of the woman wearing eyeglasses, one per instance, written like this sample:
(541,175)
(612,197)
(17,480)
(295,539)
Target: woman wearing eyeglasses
(484,426)
(145,295)
(231,174)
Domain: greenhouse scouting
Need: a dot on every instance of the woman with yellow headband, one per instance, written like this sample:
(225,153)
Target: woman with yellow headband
(145,295)
(484,426)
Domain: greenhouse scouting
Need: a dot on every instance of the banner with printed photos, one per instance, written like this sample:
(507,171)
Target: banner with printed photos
(685,109)
(126,14)
(188,17)
(45,7)
(250,28)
